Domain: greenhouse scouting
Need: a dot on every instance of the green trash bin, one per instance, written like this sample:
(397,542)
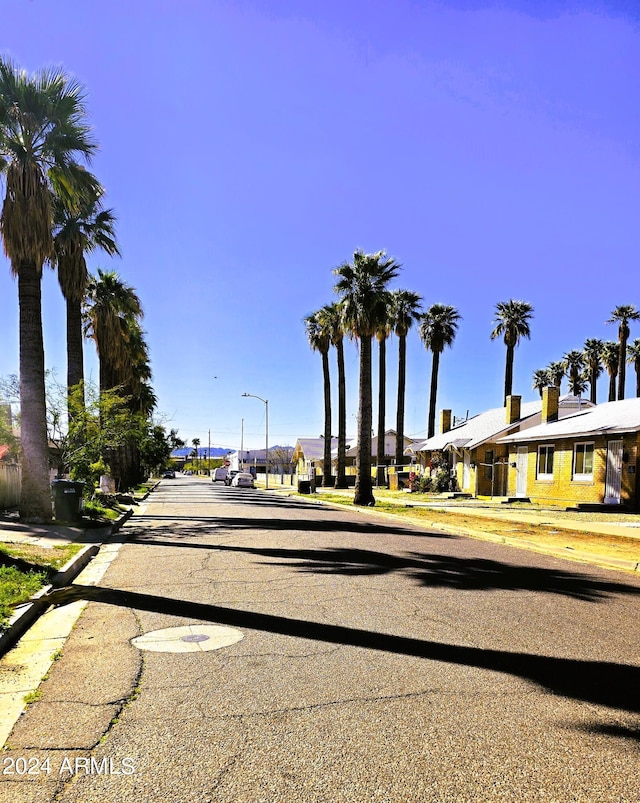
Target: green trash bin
(67,500)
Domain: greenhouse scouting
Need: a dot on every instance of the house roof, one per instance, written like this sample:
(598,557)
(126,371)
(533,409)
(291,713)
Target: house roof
(489,426)
(311,448)
(611,417)
(478,429)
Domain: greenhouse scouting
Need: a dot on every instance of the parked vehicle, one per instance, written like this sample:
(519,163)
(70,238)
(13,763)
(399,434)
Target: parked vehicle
(243,480)
(219,474)
(230,475)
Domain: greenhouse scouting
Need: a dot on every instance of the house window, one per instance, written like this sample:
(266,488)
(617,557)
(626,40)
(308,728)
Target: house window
(545,462)
(583,461)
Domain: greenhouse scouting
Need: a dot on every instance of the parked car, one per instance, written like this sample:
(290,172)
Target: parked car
(169,474)
(219,474)
(230,475)
(243,480)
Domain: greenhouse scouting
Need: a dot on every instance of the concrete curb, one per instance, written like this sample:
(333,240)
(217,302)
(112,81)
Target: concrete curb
(27,613)
(565,553)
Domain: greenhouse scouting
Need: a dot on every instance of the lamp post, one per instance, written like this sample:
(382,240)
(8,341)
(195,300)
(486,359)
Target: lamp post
(266,442)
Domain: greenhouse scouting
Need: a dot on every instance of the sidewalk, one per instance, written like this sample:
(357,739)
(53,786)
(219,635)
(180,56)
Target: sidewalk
(37,632)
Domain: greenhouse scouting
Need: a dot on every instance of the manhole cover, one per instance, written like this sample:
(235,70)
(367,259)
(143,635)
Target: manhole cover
(189,638)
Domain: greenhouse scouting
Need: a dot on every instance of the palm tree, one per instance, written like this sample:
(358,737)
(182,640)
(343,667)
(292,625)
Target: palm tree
(318,335)
(512,323)
(42,136)
(437,329)
(362,287)
(333,316)
(196,443)
(623,314)
(112,313)
(382,333)
(405,310)
(575,367)
(610,354)
(633,358)
(556,373)
(110,305)
(593,356)
(541,380)
(81,227)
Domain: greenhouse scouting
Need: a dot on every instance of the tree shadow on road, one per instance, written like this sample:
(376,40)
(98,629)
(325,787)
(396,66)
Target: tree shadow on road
(301,525)
(599,682)
(470,574)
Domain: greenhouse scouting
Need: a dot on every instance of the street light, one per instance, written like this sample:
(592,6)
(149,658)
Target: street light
(266,441)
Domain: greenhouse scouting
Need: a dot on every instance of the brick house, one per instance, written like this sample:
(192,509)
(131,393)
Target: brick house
(589,458)
(474,451)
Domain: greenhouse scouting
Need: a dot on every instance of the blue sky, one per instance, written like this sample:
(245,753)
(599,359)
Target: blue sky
(248,148)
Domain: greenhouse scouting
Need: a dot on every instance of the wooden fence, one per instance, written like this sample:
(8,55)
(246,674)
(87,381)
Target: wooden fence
(10,476)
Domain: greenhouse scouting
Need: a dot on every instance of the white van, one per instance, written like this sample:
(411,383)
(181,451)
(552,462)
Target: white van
(219,474)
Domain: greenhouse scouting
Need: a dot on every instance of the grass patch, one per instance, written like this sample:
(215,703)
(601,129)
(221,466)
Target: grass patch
(38,556)
(94,510)
(17,586)
(25,569)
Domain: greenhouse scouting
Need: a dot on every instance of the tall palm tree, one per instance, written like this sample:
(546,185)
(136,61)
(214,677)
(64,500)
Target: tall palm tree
(541,380)
(575,367)
(43,134)
(593,356)
(555,370)
(623,314)
(81,227)
(437,329)
(333,316)
(382,333)
(633,358)
(110,305)
(406,309)
(362,287)
(318,335)
(112,313)
(511,323)
(196,443)
(610,354)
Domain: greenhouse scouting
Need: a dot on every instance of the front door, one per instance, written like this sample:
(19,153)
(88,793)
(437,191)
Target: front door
(521,471)
(614,473)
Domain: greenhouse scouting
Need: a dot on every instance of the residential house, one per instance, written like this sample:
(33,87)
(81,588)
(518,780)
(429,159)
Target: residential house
(473,450)
(308,455)
(589,458)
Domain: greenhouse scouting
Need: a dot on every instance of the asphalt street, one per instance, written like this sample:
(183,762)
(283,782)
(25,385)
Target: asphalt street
(316,654)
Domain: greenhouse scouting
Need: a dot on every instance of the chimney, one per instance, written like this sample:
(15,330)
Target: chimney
(445,421)
(513,409)
(550,397)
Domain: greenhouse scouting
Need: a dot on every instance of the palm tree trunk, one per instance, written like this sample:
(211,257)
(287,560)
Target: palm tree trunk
(402,365)
(612,387)
(637,366)
(382,399)
(435,366)
(341,481)
(622,367)
(364,490)
(75,361)
(326,464)
(593,389)
(508,374)
(35,498)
